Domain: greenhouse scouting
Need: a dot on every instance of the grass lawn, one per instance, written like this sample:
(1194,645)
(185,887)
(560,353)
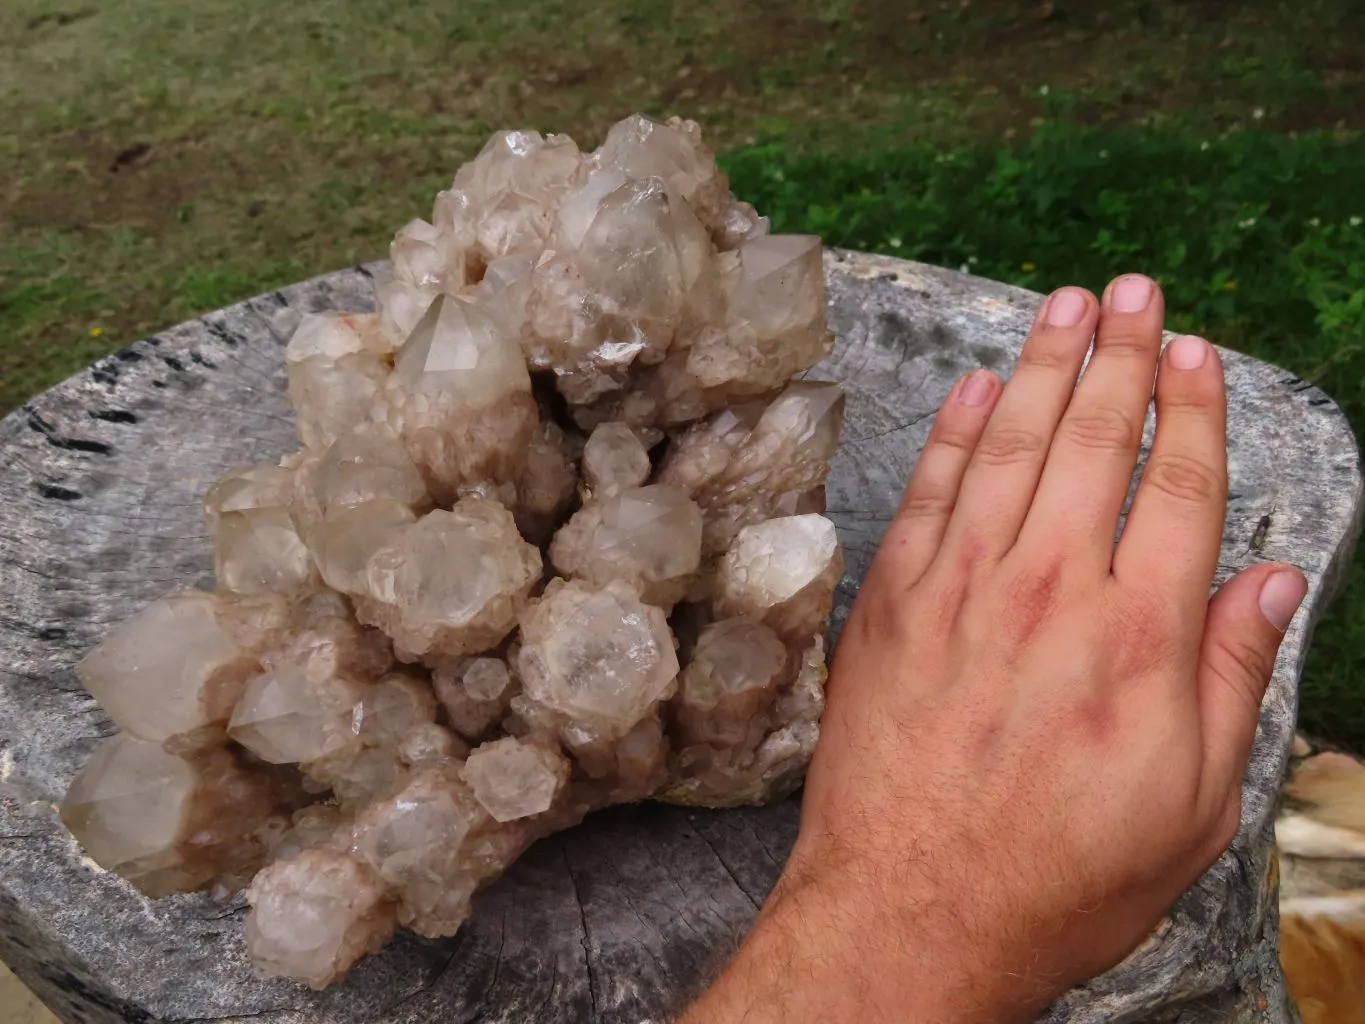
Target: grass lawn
(161,158)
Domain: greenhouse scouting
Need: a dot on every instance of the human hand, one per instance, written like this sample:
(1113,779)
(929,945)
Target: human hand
(1035,738)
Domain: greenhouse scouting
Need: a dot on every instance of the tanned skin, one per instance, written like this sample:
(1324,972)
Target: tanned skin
(1035,738)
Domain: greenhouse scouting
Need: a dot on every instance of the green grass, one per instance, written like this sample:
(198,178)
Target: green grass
(161,158)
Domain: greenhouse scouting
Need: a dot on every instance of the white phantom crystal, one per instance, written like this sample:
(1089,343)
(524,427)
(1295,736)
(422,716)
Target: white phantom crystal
(601,656)
(614,459)
(783,572)
(513,778)
(452,583)
(649,537)
(315,914)
(552,542)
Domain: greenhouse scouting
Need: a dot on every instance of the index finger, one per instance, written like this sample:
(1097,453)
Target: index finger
(1175,527)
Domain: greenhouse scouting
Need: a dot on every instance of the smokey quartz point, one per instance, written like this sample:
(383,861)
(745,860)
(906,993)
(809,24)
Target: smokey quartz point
(552,540)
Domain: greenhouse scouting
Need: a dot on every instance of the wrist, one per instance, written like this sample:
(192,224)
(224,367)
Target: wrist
(833,946)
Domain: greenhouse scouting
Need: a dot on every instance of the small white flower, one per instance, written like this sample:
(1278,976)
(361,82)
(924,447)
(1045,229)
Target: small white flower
(1356,222)
(964,269)
(1204,145)
(1043,90)
(1314,222)
(972,260)
(1104,154)
(1258,113)
(1250,222)
(895,243)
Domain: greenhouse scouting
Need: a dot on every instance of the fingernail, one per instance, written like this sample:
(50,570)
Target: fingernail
(977,388)
(1188,352)
(1066,309)
(1131,294)
(1281,595)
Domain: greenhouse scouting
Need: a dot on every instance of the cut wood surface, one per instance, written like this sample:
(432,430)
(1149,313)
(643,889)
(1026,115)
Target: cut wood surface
(620,919)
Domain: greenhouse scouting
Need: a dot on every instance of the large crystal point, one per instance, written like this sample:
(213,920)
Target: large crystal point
(775,324)
(598,656)
(422,593)
(314,915)
(460,397)
(165,823)
(171,672)
(649,537)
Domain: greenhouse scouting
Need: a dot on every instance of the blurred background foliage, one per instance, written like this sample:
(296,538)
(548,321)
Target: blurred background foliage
(160,158)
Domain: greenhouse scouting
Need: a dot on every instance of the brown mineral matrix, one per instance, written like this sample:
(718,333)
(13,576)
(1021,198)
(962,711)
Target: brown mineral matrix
(552,540)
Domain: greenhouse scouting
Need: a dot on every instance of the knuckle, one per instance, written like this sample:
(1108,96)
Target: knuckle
(926,502)
(1102,428)
(1006,446)
(952,439)
(1043,352)
(1031,599)
(1184,479)
(1129,339)
(1244,666)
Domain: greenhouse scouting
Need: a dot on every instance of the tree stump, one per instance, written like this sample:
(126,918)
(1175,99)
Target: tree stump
(621,919)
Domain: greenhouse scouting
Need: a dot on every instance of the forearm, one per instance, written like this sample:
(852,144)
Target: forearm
(814,956)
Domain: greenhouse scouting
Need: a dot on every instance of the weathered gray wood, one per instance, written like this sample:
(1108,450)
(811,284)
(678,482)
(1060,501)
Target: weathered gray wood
(617,920)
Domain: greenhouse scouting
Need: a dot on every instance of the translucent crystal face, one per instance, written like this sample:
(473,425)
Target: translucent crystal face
(551,543)
(598,655)
(129,803)
(172,669)
(513,779)
(456,350)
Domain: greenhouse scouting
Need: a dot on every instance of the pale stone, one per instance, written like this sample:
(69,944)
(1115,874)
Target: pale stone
(307,704)
(395,706)
(674,152)
(782,572)
(401,306)
(258,551)
(429,744)
(614,459)
(248,487)
(514,779)
(369,465)
(547,482)
(412,841)
(172,671)
(460,398)
(475,695)
(775,318)
(648,537)
(315,915)
(285,717)
(331,396)
(334,335)
(165,823)
(742,476)
(429,258)
(731,678)
(599,655)
(343,545)
(421,593)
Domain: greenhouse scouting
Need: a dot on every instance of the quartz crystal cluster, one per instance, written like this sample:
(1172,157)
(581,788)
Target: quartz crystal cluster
(553,541)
